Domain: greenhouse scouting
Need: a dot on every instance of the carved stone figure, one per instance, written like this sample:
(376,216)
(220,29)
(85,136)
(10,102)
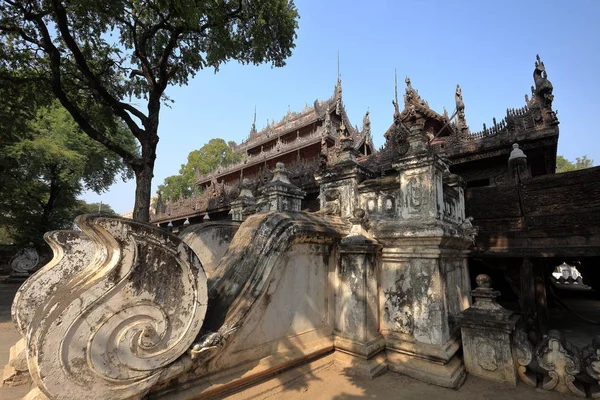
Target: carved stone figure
(332,202)
(543,87)
(562,364)
(591,363)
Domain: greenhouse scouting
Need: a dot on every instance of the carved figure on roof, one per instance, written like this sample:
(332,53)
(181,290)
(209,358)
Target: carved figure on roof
(338,97)
(327,123)
(460,105)
(543,87)
(461,124)
(367,123)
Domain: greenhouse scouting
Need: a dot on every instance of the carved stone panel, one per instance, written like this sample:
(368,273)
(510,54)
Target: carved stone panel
(561,362)
(111,329)
(23,263)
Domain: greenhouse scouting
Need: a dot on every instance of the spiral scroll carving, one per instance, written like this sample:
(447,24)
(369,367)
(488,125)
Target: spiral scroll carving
(116,318)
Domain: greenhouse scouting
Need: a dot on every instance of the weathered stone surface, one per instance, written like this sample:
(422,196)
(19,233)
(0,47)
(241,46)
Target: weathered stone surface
(562,363)
(16,373)
(210,241)
(23,263)
(486,335)
(280,194)
(591,363)
(114,322)
(356,308)
(73,251)
(523,351)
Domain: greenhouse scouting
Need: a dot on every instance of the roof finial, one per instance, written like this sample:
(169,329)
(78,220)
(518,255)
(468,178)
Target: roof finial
(395,101)
(338,65)
(395,85)
(254,121)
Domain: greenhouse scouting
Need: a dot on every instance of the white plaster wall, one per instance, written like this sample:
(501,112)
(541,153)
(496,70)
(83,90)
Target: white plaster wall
(209,243)
(412,299)
(297,303)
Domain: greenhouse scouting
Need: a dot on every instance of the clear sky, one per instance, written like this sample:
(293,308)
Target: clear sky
(488,47)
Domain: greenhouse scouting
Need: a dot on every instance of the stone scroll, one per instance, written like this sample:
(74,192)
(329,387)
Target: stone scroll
(123,302)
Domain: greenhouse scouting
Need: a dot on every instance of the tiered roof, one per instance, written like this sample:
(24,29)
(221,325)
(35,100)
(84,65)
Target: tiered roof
(330,113)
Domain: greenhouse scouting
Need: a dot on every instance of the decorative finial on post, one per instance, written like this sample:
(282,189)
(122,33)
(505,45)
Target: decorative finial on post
(358,231)
(517,164)
(280,173)
(245,204)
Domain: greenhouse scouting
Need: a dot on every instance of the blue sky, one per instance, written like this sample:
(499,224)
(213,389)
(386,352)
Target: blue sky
(488,47)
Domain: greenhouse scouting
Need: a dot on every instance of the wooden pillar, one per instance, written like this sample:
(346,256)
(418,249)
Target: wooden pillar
(541,301)
(533,301)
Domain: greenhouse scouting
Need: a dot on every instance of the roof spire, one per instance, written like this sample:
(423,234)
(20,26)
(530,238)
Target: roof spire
(253,129)
(338,65)
(395,101)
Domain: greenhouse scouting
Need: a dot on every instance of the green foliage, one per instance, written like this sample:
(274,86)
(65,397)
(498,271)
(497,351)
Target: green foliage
(95,56)
(5,236)
(216,153)
(45,167)
(94,208)
(564,165)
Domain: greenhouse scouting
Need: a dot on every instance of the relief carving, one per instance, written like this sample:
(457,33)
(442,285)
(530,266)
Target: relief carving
(415,194)
(591,363)
(486,356)
(524,355)
(116,321)
(561,362)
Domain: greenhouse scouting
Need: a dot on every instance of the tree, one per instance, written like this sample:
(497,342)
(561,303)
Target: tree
(564,165)
(69,47)
(45,167)
(216,153)
(94,208)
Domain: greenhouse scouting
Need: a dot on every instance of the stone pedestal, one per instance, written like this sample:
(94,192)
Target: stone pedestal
(487,330)
(358,342)
(422,289)
(245,204)
(280,194)
(424,275)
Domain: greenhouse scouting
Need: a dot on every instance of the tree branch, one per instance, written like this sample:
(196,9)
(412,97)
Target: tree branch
(94,82)
(55,61)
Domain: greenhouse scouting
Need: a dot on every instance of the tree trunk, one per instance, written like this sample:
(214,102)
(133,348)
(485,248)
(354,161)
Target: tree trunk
(143,187)
(143,181)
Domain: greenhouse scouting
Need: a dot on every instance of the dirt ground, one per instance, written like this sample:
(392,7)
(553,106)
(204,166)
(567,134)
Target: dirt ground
(332,384)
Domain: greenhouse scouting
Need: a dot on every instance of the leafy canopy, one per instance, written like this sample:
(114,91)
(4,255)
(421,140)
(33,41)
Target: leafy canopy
(564,165)
(216,153)
(96,56)
(45,166)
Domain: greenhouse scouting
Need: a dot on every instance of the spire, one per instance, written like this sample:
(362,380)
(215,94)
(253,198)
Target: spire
(339,79)
(253,130)
(395,101)
(338,89)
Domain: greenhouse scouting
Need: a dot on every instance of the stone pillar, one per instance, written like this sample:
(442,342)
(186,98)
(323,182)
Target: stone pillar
(424,274)
(487,329)
(245,204)
(339,184)
(358,342)
(280,194)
